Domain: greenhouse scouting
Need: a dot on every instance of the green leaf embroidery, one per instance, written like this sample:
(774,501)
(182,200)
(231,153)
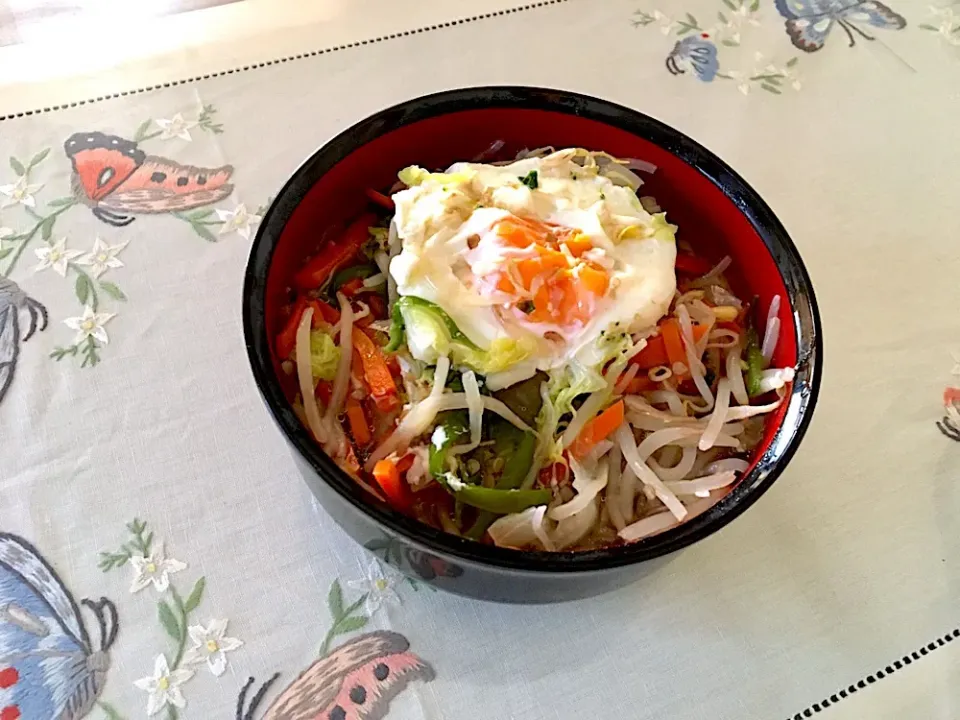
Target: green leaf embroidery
(200,214)
(91,356)
(17,166)
(38,158)
(110,711)
(351,624)
(5,252)
(62,202)
(46,227)
(771,89)
(112,290)
(335,601)
(684,29)
(204,232)
(722,18)
(692,19)
(168,620)
(729,4)
(729,43)
(58,354)
(196,595)
(792,61)
(83,289)
(142,130)
(755,5)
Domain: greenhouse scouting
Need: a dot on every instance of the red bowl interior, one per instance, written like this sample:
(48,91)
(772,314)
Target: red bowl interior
(707,218)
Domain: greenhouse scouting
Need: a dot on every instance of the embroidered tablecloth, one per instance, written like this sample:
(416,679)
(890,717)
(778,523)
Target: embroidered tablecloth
(160,555)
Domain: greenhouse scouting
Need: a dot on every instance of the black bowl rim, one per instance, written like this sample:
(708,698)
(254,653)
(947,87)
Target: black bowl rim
(802,400)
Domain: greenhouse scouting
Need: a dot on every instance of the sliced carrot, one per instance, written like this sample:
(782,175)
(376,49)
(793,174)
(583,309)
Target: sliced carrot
(673,342)
(530,268)
(578,244)
(358,423)
(376,373)
(655,353)
(594,280)
(394,487)
(287,338)
(380,199)
(316,272)
(598,429)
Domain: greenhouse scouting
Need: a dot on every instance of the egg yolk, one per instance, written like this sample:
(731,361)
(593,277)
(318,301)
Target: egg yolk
(550,285)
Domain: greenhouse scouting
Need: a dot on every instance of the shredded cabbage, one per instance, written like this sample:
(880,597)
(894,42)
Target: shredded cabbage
(413,175)
(324,355)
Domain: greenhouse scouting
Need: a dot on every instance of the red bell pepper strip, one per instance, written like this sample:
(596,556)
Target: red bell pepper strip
(330,258)
(380,199)
(287,338)
(692,265)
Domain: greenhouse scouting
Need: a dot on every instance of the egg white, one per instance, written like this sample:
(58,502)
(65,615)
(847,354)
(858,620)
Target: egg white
(447,247)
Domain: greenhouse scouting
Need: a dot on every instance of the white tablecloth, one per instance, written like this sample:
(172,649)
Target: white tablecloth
(844,570)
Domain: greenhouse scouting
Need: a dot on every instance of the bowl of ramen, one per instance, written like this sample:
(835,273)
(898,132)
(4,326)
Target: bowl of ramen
(523,341)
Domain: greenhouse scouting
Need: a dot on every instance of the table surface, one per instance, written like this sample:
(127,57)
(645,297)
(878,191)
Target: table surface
(138,468)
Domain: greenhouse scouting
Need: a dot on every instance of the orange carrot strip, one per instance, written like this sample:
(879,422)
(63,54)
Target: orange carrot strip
(376,373)
(598,429)
(388,478)
(358,423)
(673,342)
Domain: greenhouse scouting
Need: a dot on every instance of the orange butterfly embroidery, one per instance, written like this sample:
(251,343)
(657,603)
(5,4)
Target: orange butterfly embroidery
(117,179)
(355,682)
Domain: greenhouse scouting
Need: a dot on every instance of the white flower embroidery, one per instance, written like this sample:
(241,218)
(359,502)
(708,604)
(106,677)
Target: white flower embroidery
(379,585)
(666,24)
(20,193)
(956,364)
(90,324)
(157,567)
(237,220)
(6,232)
(744,14)
(789,74)
(742,80)
(102,257)
(211,645)
(176,126)
(56,256)
(164,686)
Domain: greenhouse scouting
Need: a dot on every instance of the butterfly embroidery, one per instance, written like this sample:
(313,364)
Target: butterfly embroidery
(355,682)
(695,53)
(950,424)
(809,22)
(13,302)
(48,667)
(117,179)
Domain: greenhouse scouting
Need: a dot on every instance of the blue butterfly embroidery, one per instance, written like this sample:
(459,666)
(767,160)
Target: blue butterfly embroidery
(809,22)
(694,53)
(48,667)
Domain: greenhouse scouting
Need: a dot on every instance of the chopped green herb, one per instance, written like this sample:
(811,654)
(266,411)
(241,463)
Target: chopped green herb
(531,180)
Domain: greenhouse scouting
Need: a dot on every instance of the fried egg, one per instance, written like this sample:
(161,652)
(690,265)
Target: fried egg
(548,252)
